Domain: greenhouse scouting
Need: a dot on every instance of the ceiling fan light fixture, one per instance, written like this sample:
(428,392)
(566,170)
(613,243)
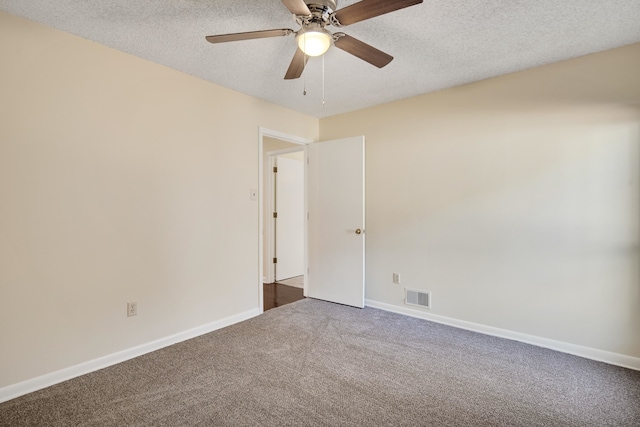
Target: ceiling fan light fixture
(314,42)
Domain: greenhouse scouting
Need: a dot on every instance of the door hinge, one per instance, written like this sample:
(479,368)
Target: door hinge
(275,214)
(275,260)
(275,169)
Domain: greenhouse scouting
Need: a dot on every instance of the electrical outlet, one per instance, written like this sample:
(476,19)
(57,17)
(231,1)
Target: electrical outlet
(396,278)
(132,309)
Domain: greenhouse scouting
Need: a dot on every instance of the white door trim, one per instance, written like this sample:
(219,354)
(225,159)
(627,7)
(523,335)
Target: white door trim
(264,132)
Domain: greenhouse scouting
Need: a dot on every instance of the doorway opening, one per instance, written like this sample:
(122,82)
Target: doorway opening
(334,226)
(285,221)
(282,232)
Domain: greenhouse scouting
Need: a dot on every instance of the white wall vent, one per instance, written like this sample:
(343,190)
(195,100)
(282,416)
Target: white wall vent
(417,298)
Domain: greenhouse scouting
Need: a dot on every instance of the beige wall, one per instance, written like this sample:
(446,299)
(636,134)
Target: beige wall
(515,201)
(272,144)
(120,180)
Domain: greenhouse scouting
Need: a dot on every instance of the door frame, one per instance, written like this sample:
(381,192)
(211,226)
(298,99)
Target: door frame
(269,229)
(262,133)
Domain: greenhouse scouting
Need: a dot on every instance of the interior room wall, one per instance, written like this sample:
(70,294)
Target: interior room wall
(273,144)
(120,180)
(515,200)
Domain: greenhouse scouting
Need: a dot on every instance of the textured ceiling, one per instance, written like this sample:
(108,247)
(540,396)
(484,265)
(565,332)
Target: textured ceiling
(437,44)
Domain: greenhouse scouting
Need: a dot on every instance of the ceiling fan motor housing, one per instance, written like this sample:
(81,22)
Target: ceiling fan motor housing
(330,4)
(321,11)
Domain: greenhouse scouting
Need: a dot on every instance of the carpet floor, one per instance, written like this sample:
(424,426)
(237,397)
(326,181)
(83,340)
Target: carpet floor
(313,363)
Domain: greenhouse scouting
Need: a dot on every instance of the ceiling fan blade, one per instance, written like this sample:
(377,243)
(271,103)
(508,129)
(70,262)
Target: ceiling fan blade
(366,9)
(297,65)
(297,7)
(362,50)
(222,38)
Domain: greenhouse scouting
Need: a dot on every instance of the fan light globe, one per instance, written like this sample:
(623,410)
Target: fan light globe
(314,42)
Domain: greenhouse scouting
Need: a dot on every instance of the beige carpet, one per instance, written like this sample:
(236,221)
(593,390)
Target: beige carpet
(312,363)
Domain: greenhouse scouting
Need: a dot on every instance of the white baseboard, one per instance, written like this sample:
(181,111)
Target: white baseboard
(34,384)
(576,350)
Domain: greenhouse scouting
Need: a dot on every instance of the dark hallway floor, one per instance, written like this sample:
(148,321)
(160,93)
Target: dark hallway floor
(276,294)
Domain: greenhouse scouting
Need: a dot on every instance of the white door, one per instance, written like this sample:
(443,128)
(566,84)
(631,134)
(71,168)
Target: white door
(289,224)
(335,229)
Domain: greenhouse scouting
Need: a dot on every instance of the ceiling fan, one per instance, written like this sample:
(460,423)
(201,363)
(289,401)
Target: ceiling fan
(314,39)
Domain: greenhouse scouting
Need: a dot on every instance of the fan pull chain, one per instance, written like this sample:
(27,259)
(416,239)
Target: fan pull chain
(304,75)
(323,81)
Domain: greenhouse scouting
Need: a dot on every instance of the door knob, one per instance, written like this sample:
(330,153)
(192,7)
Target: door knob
(358,231)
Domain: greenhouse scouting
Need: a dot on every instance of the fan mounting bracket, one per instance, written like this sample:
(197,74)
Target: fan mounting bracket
(328,4)
(321,13)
